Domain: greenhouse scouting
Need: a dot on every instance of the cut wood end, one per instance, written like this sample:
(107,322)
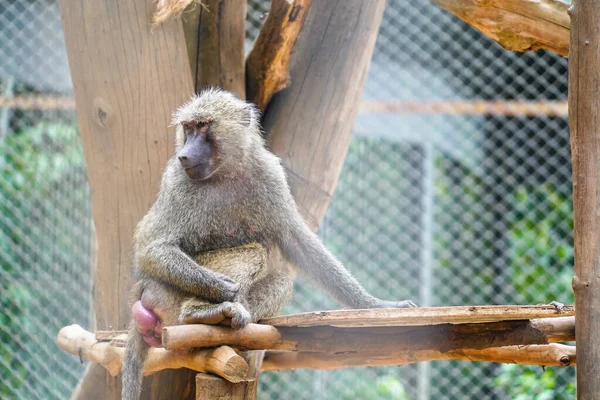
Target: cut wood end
(225,362)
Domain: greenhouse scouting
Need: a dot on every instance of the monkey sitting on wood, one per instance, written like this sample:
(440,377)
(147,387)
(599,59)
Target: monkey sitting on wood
(223,189)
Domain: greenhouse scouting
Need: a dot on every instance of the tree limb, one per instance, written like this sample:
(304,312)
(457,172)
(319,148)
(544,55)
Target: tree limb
(546,354)
(268,62)
(518,25)
(221,361)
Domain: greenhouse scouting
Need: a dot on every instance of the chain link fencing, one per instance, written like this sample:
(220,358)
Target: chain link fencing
(453,192)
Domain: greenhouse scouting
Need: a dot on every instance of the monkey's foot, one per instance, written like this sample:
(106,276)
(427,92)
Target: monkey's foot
(227,313)
(397,304)
(147,324)
(558,306)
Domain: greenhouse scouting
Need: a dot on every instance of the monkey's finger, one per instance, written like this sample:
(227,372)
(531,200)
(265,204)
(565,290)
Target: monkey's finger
(209,316)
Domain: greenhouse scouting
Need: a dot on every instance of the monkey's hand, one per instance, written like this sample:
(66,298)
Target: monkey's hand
(196,311)
(224,289)
(396,304)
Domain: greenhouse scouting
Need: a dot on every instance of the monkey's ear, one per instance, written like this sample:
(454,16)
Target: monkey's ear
(251,116)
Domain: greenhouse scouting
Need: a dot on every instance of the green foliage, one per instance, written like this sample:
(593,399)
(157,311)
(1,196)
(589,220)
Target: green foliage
(532,383)
(541,268)
(541,248)
(33,163)
(386,387)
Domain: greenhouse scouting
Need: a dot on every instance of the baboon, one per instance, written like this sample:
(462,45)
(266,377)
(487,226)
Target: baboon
(223,189)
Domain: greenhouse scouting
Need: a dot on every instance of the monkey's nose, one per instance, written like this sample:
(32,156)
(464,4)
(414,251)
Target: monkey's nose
(185,162)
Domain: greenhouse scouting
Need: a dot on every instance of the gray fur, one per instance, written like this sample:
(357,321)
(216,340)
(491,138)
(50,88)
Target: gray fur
(247,200)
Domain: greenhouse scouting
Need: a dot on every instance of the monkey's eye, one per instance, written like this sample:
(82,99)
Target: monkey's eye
(202,126)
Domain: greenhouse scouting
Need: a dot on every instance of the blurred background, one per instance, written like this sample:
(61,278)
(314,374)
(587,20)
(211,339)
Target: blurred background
(452,193)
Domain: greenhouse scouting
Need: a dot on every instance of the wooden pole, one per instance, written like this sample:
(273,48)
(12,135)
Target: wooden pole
(127,79)
(310,123)
(584,122)
(218,33)
(328,339)
(556,355)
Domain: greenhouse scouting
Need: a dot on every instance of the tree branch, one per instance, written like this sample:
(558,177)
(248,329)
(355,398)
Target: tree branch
(546,354)
(268,62)
(518,25)
(221,361)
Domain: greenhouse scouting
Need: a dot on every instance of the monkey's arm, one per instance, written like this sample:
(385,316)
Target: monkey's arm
(168,263)
(303,248)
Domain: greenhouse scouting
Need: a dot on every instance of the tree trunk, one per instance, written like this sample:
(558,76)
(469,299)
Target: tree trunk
(310,123)
(584,120)
(127,81)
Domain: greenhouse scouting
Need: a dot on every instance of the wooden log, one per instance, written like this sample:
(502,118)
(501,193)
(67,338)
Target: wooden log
(584,119)
(378,339)
(419,316)
(221,361)
(309,124)
(127,81)
(554,354)
(219,33)
(267,64)
(518,25)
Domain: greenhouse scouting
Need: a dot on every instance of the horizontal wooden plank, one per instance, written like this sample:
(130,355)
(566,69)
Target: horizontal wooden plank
(419,316)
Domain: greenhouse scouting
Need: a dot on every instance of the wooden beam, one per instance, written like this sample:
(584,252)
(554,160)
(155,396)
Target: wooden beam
(584,120)
(127,81)
(267,64)
(505,108)
(309,124)
(557,355)
(373,339)
(220,34)
(519,25)
(419,316)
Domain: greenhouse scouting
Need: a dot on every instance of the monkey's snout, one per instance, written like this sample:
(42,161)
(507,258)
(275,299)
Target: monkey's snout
(186,162)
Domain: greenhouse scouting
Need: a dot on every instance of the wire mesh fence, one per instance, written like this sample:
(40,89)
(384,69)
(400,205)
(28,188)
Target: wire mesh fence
(446,198)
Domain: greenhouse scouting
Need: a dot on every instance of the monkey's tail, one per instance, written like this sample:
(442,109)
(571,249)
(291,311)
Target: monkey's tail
(136,352)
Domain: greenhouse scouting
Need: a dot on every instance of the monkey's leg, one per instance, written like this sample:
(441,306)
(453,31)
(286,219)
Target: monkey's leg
(198,311)
(267,296)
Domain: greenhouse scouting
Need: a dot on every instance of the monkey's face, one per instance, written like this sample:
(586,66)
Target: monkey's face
(199,154)
(214,132)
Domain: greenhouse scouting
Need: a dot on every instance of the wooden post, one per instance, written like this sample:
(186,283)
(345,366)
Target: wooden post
(215,32)
(127,80)
(309,124)
(584,122)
